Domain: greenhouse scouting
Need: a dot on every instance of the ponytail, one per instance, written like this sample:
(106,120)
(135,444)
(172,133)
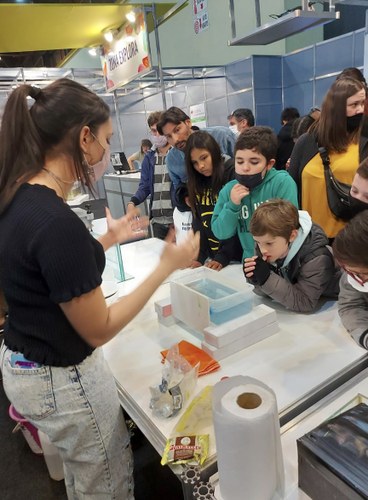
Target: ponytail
(21,152)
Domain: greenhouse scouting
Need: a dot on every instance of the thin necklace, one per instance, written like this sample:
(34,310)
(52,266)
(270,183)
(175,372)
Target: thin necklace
(58,181)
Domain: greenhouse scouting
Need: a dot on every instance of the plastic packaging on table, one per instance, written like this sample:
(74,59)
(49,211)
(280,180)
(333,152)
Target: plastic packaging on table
(29,431)
(178,381)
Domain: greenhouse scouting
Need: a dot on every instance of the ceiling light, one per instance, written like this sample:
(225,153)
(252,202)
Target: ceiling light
(92,51)
(131,16)
(108,36)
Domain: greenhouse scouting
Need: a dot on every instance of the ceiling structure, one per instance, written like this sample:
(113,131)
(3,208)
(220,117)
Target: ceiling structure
(45,34)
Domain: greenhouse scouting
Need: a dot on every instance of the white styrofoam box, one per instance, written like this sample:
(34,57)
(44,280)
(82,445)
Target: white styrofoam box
(219,353)
(166,320)
(259,317)
(197,294)
(163,307)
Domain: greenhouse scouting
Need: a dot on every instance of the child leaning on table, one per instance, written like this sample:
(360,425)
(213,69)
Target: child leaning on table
(350,249)
(255,182)
(292,263)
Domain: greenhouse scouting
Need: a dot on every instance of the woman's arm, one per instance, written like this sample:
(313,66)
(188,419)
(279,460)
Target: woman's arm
(132,158)
(97,323)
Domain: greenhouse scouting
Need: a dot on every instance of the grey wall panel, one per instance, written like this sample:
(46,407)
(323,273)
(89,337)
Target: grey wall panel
(241,100)
(298,67)
(239,75)
(300,97)
(322,86)
(153,102)
(334,55)
(215,88)
(217,112)
(180,98)
(358,55)
(196,92)
(269,115)
(135,101)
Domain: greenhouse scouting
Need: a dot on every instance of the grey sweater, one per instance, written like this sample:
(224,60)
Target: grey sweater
(307,273)
(353,311)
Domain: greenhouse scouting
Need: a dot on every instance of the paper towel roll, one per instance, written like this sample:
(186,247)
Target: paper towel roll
(248,441)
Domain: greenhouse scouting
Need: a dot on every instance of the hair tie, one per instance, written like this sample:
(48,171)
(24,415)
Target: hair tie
(35,92)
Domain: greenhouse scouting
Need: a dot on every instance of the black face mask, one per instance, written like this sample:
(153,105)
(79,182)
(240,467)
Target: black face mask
(353,122)
(356,206)
(250,181)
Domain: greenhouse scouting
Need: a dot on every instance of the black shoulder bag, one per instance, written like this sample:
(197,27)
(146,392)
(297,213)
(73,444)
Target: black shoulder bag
(337,192)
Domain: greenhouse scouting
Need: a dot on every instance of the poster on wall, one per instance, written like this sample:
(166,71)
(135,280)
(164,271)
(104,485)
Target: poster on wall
(200,16)
(197,114)
(128,54)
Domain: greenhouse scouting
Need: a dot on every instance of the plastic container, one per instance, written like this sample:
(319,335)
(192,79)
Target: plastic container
(52,458)
(29,431)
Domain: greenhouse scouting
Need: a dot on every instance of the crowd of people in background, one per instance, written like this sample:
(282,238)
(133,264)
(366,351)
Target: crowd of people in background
(248,195)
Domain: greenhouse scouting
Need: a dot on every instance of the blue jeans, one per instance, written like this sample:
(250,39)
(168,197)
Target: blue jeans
(78,408)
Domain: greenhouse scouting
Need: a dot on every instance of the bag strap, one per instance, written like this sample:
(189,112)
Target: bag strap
(324,157)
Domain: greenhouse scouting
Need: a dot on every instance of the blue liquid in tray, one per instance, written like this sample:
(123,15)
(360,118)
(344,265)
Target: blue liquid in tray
(211,289)
(219,317)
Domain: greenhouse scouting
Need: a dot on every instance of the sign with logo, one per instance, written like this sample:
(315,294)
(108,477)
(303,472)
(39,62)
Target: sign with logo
(197,114)
(127,56)
(200,16)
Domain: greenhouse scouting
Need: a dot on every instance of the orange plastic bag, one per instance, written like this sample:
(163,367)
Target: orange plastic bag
(196,355)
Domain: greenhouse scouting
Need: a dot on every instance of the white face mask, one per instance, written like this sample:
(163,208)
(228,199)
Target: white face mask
(357,286)
(97,170)
(159,141)
(234,130)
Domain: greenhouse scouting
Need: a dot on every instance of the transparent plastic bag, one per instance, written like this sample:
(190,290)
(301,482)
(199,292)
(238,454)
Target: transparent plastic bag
(179,379)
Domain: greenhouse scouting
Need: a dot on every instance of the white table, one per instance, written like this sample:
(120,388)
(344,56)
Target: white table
(308,352)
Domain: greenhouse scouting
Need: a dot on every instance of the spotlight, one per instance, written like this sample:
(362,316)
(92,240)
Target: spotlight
(108,36)
(131,16)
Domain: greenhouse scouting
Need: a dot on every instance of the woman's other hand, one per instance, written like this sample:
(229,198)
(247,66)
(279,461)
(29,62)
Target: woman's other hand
(180,256)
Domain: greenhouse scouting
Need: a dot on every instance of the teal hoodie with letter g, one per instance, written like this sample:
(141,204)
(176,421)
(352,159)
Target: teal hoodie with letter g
(229,218)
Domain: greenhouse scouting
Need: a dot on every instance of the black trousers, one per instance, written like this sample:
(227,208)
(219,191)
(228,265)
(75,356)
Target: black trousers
(160,230)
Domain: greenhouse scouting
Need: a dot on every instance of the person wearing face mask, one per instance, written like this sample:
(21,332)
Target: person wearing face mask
(350,251)
(53,368)
(292,263)
(359,189)
(340,130)
(243,120)
(256,181)
(155,182)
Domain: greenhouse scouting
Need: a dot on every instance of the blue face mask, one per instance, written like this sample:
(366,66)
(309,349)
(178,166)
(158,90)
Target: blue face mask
(250,181)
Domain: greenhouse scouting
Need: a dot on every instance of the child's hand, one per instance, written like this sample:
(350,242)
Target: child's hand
(213,264)
(237,193)
(249,265)
(256,270)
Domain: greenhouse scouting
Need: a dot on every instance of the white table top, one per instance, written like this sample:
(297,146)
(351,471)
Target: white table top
(308,350)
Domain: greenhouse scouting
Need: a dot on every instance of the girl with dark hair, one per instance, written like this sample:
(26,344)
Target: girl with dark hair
(207,173)
(339,131)
(54,372)
(350,251)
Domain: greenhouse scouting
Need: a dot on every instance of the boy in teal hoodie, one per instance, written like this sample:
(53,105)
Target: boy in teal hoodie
(255,182)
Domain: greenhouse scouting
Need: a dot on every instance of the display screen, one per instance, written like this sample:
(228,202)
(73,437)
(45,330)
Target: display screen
(119,161)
